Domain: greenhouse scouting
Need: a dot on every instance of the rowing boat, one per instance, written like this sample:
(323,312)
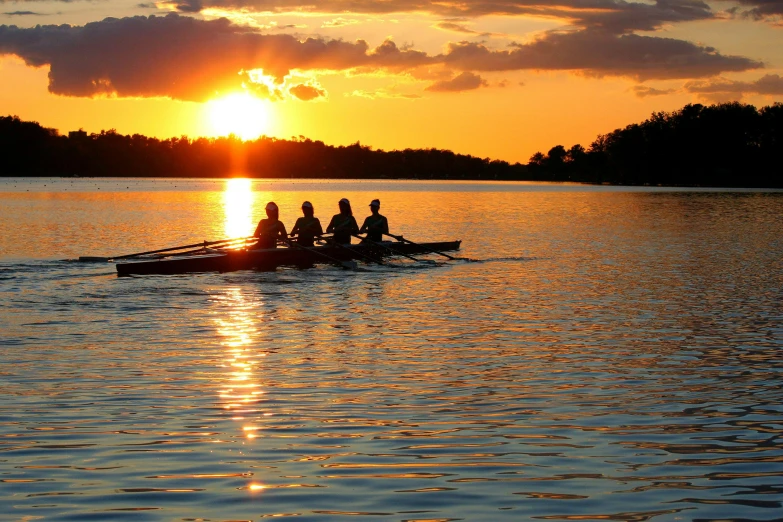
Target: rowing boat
(271,258)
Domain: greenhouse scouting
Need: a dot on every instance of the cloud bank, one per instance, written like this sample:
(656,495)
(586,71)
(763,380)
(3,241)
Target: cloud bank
(600,54)
(763,9)
(185,58)
(179,56)
(617,16)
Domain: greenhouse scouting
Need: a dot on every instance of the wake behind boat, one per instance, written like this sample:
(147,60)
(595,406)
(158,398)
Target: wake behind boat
(212,258)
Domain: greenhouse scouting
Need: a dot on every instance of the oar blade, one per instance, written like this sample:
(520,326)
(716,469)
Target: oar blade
(93,259)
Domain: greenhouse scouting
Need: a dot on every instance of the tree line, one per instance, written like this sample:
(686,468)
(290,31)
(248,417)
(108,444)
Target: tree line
(730,144)
(724,145)
(28,149)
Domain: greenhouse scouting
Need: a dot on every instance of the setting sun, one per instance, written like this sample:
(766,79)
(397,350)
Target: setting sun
(240,114)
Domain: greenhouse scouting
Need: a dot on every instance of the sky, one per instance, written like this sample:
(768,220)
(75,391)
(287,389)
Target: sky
(501,79)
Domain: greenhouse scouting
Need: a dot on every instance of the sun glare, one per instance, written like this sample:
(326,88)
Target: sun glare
(238,199)
(241,114)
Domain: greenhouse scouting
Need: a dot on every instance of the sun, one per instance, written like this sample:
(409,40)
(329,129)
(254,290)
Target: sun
(241,114)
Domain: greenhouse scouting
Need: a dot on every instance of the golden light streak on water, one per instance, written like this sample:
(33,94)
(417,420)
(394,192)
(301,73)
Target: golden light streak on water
(237,326)
(238,201)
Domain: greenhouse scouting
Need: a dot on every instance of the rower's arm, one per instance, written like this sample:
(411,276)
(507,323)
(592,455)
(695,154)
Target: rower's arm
(385,226)
(364,226)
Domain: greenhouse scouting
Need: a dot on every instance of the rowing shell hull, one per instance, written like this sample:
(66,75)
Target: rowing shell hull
(269,259)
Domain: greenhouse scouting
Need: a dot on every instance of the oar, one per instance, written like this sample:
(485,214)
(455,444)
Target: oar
(357,253)
(390,249)
(400,238)
(350,265)
(170,249)
(220,248)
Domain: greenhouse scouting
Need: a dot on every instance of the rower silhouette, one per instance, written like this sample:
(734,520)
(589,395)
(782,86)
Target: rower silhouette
(375,224)
(307,227)
(271,229)
(343,225)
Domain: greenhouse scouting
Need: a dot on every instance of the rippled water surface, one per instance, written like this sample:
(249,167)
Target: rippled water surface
(616,354)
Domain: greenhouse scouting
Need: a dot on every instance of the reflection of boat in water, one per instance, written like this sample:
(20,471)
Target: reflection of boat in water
(269,259)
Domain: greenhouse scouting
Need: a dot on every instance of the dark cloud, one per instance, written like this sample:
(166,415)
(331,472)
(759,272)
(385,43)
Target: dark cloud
(179,56)
(598,53)
(190,59)
(722,89)
(306,92)
(23,13)
(763,9)
(642,91)
(618,16)
(466,81)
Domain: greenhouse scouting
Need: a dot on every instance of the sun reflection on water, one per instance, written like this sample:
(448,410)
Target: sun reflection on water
(241,393)
(238,204)
(237,327)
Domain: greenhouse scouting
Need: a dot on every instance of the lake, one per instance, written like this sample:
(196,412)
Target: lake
(613,353)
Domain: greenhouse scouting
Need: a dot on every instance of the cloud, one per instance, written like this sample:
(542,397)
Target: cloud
(22,13)
(382,93)
(181,57)
(306,92)
(616,16)
(466,81)
(642,91)
(462,28)
(455,27)
(339,22)
(186,58)
(723,89)
(600,54)
(763,9)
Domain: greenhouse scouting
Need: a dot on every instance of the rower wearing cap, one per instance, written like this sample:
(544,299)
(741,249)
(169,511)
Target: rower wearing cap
(343,225)
(375,225)
(308,227)
(271,229)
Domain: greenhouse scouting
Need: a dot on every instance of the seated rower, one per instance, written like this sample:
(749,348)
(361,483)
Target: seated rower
(343,225)
(375,225)
(307,227)
(271,229)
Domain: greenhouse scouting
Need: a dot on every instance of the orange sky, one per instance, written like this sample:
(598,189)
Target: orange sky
(500,79)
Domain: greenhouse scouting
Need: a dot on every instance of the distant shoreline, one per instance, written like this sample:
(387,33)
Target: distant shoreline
(699,188)
(730,145)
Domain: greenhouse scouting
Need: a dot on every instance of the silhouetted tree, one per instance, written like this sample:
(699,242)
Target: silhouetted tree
(31,150)
(730,144)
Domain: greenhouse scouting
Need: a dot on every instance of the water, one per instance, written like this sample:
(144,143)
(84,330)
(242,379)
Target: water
(616,354)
